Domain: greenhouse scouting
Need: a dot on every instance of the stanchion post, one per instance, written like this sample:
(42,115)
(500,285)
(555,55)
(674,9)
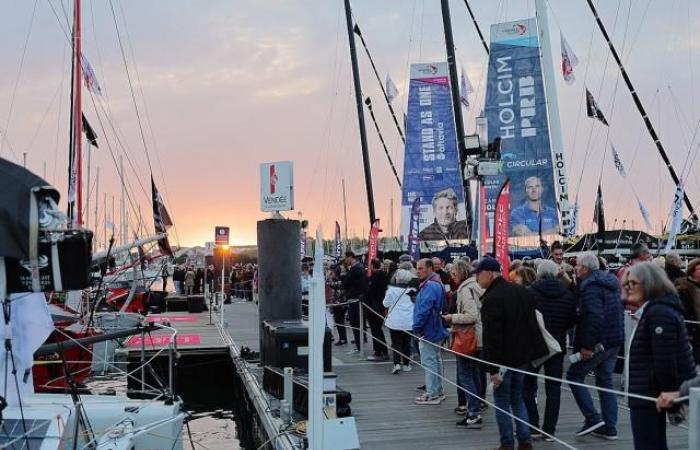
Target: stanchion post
(361,308)
(694,419)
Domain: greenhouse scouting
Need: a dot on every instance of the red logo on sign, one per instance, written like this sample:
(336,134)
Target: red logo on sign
(273,179)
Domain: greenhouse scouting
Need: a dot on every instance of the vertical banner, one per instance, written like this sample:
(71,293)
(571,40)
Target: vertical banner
(676,216)
(516,112)
(501,227)
(302,244)
(413,239)
(431,160)
(338,243)
(373,245)
(483,222)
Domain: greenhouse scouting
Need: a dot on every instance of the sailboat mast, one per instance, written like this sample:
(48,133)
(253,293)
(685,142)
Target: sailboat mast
(642,111)
(360,114)
(78,115)
(555,136)
(456,106)
(97,198)
(345,214)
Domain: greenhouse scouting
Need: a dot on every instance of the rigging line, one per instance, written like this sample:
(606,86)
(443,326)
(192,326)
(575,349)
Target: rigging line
(148,120)
(476,26)
(680,115)
(131,87)
(639,29)
(58,19)
(356,30)
(368,103)
(640,108)
(17,78)
(58,121)
(43,119)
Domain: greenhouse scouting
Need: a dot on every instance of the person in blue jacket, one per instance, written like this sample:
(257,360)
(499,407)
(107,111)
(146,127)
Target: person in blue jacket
(599,335)
(427,324)
(660,357)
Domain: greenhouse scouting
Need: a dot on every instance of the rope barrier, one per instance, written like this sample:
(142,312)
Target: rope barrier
(493,405)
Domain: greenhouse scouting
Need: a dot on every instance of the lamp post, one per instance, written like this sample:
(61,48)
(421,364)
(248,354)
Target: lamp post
(224,249)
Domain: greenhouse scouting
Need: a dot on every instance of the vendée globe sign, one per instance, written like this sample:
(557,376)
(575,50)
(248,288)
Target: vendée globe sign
(276,186)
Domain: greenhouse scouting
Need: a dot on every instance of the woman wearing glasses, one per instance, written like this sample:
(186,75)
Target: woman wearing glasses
(659,356)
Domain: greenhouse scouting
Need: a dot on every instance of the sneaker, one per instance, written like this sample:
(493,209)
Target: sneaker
(421,388)
(406,368)
(589,427)
(354,351)
(396,369)
(605,433)
(425,399)
(549,439)
(340,343)
(483,407)
(377,358)
(534,434)
(471,422)
(460,410)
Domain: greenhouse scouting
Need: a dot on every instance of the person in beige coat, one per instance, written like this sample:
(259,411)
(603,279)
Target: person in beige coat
(468,315)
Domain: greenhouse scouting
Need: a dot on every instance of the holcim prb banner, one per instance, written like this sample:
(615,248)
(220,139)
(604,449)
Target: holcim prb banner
(431,161)
(516,111)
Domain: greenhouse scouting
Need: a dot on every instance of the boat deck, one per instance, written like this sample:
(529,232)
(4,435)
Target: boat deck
(387,418)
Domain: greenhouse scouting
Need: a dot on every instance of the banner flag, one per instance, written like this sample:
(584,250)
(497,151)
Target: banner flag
(599,213)
(161,219)
(431,161)
(574,218)
(302,245)
(618,162)
(592,108)
(676,217)
(568,60)
(391,90)
(483,222)
(89,132)
(373,245)
(645,213)
(413,239)
(465,88)
(516,113)
(338,243)
(89,76)
(500,228)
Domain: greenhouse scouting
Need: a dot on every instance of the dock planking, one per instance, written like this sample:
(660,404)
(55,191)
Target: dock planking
(387,418)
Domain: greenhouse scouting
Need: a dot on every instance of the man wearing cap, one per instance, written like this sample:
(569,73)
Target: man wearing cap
(427,324)
(511,338)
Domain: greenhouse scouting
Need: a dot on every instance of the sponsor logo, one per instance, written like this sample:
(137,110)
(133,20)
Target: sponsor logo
(517,29)
(273,179)
(42,262)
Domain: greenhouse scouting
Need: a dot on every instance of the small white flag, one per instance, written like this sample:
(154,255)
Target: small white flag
(618,162)
(568,60)
(465,88)
(645,215)
(89,76)
(391,90)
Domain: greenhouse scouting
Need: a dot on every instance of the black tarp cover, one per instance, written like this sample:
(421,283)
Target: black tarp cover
(16,187)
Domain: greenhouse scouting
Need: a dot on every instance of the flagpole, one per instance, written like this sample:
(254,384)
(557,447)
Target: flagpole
(555,136)
(77,117)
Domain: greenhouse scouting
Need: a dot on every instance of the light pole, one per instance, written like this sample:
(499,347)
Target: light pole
(224,248)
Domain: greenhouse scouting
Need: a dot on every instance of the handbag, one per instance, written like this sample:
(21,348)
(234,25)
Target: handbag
(464,341)
(553,346)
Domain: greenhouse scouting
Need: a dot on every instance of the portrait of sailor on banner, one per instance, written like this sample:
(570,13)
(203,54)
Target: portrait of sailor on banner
(516,111)
(431,162)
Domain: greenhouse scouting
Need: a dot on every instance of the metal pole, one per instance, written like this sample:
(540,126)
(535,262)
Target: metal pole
(694,419)
(456,106)
(362,327)
(97,199)
(317,326)
(360,114)
(24,160)
(223,266)
(555,136)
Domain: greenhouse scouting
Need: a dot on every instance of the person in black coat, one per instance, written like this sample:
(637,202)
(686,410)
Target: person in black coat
(355,287)
(376,289)
(558,307)
(660,357)
(512,338)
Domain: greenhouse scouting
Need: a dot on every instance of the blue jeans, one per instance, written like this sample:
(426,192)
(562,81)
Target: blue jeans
(431,360)
(553,367)
(602,364)
(468,378)
(509,397)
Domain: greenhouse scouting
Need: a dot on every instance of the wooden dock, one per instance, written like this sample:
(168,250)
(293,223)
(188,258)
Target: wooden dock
(387,418)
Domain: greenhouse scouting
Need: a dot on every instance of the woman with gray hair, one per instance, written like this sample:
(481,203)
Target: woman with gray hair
(659,356)
(399,318)
(557,305)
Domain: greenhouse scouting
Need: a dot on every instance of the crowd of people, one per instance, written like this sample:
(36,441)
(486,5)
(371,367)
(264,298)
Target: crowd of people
(506,330)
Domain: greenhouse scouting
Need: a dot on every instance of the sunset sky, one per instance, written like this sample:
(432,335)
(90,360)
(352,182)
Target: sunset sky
(222,86)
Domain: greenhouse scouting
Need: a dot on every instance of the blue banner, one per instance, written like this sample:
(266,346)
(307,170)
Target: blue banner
(516,111)
(431,160)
